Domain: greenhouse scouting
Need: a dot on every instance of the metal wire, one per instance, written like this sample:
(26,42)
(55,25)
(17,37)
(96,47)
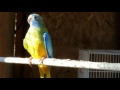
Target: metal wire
(111,56)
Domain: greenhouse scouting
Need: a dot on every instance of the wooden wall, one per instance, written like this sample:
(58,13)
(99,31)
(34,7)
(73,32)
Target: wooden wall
(6,42)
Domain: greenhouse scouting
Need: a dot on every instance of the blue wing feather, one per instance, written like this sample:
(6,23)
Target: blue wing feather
(48,45)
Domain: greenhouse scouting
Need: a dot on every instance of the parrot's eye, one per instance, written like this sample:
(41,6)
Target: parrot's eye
(35,17)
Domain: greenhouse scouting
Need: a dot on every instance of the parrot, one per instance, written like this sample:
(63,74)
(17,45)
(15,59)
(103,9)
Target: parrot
(38,44)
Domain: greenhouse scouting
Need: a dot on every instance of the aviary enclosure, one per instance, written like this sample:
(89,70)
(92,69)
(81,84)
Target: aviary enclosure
(70,32)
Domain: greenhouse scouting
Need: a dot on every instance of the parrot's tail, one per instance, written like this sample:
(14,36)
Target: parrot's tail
(44,71)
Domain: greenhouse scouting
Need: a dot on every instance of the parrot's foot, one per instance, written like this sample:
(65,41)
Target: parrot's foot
(42,59)
(30,59)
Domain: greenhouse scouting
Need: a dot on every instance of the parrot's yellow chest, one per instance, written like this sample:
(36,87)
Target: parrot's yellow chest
(34,43)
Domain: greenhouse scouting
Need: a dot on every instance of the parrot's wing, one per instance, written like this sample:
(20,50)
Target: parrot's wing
(48,44)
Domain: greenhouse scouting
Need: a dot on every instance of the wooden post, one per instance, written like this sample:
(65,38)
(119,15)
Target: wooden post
(7,24)
(82,72)
(21,71)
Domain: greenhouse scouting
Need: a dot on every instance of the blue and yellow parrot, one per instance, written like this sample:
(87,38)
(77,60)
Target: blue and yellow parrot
(38,43)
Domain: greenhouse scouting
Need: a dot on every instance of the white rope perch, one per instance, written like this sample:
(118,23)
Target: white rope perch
(64,63)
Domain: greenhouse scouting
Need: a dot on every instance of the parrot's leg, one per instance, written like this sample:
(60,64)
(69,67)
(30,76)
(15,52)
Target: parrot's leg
(30,59)
(42,59)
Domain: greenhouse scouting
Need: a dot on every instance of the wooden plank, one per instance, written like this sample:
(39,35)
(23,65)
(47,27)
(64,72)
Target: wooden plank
(7,22)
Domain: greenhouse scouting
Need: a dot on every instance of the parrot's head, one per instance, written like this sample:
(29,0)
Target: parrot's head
(34,19)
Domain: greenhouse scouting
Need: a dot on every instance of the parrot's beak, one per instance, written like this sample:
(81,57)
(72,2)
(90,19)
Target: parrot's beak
(29,19)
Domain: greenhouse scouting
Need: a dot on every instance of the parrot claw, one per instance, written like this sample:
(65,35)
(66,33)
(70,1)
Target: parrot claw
(30,59)
(41,60)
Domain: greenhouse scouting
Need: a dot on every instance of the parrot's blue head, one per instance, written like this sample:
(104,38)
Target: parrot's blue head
(35,20)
